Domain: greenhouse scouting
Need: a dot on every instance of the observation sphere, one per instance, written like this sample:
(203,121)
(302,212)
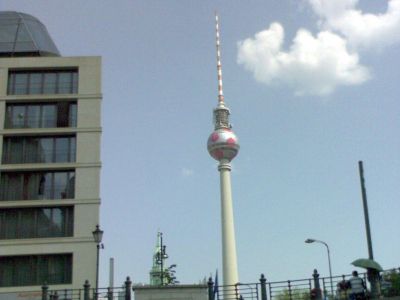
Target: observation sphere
(223,144)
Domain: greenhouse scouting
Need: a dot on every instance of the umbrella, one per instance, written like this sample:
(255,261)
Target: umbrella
(367,264)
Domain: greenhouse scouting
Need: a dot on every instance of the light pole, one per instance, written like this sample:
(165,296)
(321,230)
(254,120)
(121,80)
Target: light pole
(98,236)
(309,241)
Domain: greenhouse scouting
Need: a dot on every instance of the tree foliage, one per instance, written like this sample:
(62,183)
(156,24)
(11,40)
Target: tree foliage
(391,283)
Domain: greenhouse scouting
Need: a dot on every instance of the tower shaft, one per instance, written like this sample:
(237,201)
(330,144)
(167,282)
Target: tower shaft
(223,146)
(229,259)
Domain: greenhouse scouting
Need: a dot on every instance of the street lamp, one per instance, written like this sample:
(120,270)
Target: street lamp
(309,241)
(98,236)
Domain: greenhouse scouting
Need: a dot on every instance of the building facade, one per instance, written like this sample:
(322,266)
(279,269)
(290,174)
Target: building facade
(50,160)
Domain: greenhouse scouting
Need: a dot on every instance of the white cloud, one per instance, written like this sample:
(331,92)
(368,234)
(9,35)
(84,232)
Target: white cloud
(313,65)
(361,29)
(187,172)
(331,8)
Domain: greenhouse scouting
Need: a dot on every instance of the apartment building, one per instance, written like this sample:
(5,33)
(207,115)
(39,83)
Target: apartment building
(50,133)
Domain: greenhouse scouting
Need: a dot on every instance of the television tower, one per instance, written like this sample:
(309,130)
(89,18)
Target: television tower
(223,146)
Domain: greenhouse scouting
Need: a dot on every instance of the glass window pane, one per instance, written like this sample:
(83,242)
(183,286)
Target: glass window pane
(56,269)
(32,186)
(31,150)
(7,270)
(38,149)
(72,115)
(16,150)
(57,222)
(21,84)
(8,118)
(35,83)
(75,82)
(62,114)
(49,115)
(69,221)
(72,151)
(12,150)
(43,82)
(46,150)
(33,117)
(26,223)
(36,222)
(35,269)
(46,185)
(60,185)
(49,83)
(37,185)
(64,82)
(11,186)
(70,188)
(42,269)
(11,223)
(18,117)
(11,80)
(62,149)
(23,268)
(43,222)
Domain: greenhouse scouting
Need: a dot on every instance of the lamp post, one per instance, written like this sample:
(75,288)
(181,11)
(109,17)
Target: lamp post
(98,236)
(309,241)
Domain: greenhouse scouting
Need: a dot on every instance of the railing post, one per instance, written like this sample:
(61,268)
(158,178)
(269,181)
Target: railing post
(324,287)
(210,285)
(236,292)
(317,287)
(290,290)
(128,287)
(45,291)
(263,281)
(345,286)
(109,293)
(54,296)
(270,290)
(86,290)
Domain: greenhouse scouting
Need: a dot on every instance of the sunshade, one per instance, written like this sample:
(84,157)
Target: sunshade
(367,264)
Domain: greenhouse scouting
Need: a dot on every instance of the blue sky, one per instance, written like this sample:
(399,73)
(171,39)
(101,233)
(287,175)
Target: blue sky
(312,86)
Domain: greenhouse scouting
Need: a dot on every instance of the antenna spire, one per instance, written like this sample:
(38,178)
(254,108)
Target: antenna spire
(219,67)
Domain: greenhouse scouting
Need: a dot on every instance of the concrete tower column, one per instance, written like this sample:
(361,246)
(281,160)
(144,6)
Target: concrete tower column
(223,146)
(230,269)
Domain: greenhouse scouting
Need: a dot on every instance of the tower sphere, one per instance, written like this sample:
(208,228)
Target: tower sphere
(223,144)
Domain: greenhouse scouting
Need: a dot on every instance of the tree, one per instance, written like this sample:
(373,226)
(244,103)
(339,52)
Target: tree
(391,283)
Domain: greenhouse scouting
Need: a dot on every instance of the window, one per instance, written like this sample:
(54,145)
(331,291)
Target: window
(43,82)
(18,150)
(35,270)
(41,222)
(37,185)
(41,115)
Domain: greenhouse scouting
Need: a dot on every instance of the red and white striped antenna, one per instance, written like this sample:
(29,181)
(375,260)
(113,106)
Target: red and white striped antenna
(219,67)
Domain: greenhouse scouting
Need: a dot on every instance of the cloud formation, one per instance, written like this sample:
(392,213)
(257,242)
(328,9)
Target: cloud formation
(313,65)
(361,30)
(317,64)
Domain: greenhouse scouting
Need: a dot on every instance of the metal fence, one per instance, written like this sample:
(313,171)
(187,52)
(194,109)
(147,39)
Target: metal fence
(89,293)
(302,289)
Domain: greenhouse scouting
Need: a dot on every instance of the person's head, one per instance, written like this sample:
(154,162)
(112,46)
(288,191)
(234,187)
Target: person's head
(355,273)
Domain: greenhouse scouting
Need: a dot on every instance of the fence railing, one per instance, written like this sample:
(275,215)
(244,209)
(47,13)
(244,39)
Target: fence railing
(302,289)
(89,293)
